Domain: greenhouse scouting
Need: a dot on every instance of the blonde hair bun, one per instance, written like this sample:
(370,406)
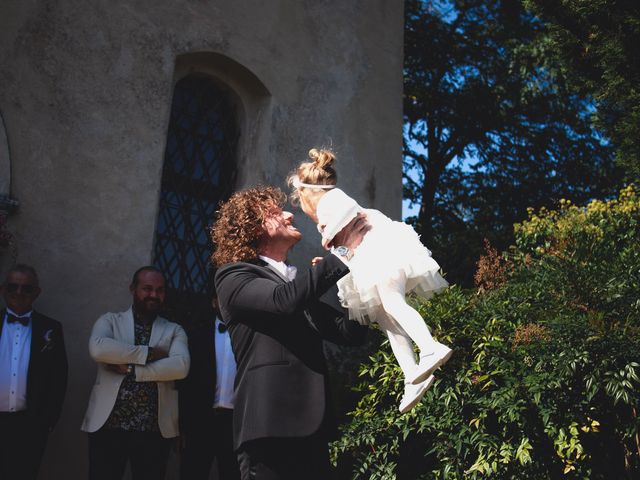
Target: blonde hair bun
(322,158)
(319,171)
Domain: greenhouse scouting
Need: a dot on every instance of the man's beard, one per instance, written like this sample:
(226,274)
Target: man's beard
(149,307)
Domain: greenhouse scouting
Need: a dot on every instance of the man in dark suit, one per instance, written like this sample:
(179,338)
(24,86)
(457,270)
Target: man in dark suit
(206,400)
(33,376)
(278,320)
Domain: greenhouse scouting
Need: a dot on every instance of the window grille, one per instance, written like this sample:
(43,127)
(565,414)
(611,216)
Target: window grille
(198,172)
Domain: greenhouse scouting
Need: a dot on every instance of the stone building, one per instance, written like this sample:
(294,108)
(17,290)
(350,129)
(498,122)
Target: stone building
(124,122)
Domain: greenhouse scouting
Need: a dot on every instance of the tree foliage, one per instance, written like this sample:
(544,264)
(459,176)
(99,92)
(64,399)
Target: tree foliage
(490,128)
(596,44)
(545,378)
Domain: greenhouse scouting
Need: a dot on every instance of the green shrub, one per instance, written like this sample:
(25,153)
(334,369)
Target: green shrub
(544,381)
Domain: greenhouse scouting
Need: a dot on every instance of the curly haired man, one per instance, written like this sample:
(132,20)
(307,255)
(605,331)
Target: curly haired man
(278,319)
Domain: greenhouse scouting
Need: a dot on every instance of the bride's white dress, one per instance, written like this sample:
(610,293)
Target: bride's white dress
(390,250)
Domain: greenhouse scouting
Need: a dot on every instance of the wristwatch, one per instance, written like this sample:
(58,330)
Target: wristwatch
(129,369)
(344,252)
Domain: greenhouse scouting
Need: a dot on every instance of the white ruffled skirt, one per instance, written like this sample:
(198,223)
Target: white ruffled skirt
(389,251)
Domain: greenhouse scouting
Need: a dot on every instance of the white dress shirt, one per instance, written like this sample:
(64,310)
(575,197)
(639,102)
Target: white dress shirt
(288,271)
(225,369)
(15,351)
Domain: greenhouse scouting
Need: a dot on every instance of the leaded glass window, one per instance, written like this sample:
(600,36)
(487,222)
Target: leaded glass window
(198,172)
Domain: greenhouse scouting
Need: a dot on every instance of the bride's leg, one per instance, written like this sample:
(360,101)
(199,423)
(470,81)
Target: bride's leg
(432,353)
(403,350)
(400,342)
(392,296)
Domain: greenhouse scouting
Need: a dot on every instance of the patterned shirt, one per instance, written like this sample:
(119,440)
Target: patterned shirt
(136,408)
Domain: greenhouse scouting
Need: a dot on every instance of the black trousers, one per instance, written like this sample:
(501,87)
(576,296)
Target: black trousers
(211,438)
(286,458)
(110,450)
(22,443)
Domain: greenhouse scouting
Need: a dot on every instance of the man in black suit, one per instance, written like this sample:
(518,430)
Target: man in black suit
(33,376)
(206,400)
(278,320)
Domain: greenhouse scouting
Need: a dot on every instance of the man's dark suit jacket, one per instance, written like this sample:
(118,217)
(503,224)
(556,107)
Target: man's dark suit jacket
(47,374)
(277,330)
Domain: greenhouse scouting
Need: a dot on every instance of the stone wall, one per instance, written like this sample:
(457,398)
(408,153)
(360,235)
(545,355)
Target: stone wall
(85,94)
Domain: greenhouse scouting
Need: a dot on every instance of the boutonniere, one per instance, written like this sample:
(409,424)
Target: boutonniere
(48,341)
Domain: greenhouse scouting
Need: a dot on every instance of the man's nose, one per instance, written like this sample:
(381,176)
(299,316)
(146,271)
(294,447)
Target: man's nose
(287,215)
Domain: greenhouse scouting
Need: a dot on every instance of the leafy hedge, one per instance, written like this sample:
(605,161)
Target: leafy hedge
(544,381)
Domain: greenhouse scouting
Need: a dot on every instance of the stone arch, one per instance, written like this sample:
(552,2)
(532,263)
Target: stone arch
(5,161)
(252,102)
(215,103)
(7,203)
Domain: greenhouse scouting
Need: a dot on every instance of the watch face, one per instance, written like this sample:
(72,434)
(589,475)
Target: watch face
(342,250)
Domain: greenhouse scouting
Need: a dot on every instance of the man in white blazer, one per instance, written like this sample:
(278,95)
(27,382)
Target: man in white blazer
(133,408)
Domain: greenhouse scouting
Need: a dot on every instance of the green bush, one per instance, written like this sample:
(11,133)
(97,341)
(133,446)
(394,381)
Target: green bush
(544,381)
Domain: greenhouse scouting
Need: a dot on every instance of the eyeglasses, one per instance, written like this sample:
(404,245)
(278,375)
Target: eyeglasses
(24,288)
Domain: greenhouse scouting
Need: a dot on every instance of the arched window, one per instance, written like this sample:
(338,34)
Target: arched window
(198,172)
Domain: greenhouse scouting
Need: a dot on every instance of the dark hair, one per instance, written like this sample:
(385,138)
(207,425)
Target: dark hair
(237,230)
(146,268)
(24,268)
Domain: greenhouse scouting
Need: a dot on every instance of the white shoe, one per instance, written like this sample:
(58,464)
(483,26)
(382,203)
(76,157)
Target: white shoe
(429,362)
(413,394)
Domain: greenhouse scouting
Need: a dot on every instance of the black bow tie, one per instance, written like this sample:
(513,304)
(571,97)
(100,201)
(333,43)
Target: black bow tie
(222,327)
(14,318)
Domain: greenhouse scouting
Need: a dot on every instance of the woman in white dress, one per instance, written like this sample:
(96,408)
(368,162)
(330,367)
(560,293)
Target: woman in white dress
(390,262)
